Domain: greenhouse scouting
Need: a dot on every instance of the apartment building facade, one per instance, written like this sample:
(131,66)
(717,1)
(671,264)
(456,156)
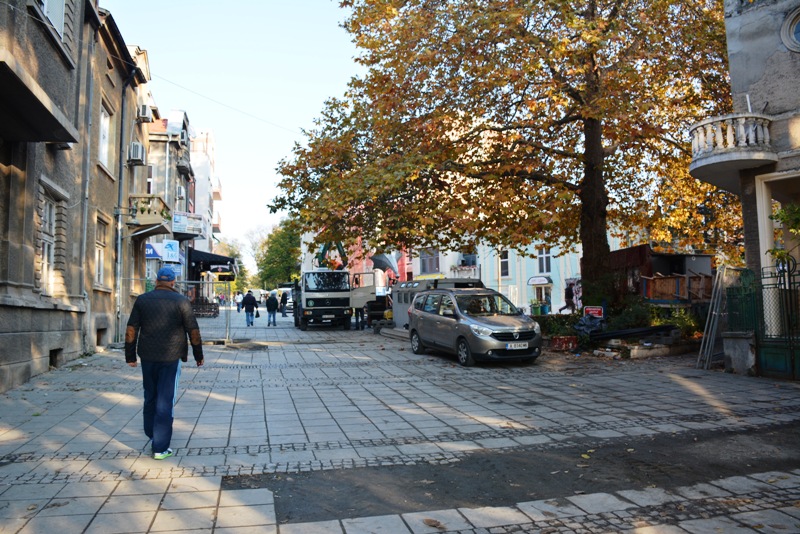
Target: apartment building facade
(88,179)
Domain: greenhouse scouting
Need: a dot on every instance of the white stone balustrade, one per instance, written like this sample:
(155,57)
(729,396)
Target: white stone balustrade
(726,133)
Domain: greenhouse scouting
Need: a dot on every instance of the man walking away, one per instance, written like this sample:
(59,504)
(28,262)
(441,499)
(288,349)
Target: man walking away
(249,303)
(272,308)
(157,329)
(284,302)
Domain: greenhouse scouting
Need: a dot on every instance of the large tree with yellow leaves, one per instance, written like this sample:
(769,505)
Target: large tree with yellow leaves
(513,122)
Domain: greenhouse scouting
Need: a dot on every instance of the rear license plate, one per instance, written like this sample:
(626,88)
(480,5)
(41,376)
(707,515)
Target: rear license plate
(517,346)
(328,316)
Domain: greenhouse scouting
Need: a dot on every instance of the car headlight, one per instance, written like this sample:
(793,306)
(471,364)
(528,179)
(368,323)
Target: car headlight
(537,328)
(479,330)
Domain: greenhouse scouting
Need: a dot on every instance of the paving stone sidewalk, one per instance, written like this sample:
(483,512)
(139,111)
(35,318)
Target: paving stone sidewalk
(73,457)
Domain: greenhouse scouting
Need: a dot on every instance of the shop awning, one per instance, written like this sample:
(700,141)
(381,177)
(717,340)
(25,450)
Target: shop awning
(148,231)
(151,253)
(385,262)
(540,281)
(206,261)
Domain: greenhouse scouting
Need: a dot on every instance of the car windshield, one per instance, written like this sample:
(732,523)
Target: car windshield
(477,305)
(327,281)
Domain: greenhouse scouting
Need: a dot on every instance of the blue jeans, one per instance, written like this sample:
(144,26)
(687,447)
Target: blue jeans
(160,381)
(249,317)
(272,318)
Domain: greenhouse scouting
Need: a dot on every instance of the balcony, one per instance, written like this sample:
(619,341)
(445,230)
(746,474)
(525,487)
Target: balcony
(147,210)
(216,224)
(183,164)
(723,146)
(216,190)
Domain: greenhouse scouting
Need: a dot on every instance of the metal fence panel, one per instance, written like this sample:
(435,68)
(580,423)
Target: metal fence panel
(778,329)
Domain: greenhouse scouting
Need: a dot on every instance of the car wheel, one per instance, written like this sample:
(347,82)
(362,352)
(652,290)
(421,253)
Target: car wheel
(416,343)
(303,324)
(464,353)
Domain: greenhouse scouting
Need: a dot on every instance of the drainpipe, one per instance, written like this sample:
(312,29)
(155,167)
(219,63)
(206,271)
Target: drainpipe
(87,178)
(119,211)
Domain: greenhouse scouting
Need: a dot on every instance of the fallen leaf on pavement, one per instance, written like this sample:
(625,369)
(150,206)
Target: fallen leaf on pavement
(434,523)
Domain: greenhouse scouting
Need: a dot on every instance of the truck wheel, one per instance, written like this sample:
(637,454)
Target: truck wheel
(345,325)
(303,324)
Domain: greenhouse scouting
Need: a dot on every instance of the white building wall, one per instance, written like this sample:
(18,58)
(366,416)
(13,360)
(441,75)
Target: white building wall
(203,165)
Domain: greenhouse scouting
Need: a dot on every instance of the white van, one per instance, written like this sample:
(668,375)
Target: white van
(260,294)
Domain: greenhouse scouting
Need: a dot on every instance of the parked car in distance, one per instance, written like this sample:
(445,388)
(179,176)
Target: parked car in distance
(474,324)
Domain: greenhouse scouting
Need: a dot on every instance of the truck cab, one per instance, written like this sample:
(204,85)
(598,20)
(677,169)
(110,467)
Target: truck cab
(322,296)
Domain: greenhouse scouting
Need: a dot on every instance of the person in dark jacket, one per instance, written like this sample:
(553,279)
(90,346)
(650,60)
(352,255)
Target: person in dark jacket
(157,331)
(284,302)
(569,298)
(249,303)
(272,308)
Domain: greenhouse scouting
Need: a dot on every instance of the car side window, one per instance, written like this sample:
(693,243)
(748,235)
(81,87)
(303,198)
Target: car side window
(447,308)
(418,302)
(432,303)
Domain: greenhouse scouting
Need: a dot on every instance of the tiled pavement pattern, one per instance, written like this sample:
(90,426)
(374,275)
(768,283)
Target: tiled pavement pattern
(73,457)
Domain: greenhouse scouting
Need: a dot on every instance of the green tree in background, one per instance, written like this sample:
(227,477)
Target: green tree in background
(278,256)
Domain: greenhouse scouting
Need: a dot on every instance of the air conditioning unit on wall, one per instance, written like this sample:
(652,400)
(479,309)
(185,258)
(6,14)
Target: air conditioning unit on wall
(144,113)
(136,154)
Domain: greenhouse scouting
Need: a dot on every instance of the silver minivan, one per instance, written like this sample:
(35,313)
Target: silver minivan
(473,324)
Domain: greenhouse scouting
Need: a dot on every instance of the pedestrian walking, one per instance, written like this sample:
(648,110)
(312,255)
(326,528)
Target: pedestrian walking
(569,298)
(360,322)
(238,300)
(250,304)
(284,302)
(272,308)
(157,331)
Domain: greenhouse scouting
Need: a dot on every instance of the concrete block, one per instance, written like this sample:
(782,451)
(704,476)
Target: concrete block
(740,352)
(649,351)
(14,375)
(16,348)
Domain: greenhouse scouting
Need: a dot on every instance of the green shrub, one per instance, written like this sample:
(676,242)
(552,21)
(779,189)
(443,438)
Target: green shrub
(682,318)
(633,312)
(559,324)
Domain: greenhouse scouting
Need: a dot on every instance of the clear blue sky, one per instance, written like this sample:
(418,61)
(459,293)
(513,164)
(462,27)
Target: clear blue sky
(255,72)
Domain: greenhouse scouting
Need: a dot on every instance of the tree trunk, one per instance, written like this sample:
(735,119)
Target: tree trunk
(596,277)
